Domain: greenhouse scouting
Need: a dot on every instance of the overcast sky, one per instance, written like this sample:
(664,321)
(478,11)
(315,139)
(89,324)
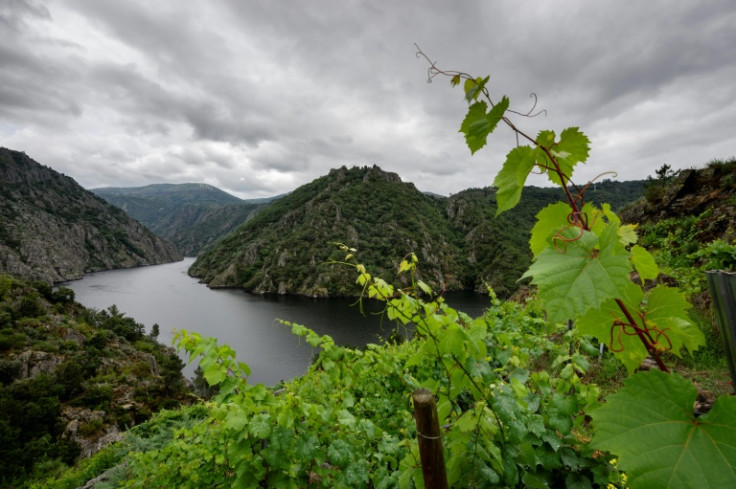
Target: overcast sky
(259,97)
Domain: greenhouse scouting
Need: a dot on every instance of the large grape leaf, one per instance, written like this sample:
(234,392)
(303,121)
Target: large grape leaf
(510,180)
(551,219)
(479,122)
(667,312)
(650,426)
(599,322)
(578,276)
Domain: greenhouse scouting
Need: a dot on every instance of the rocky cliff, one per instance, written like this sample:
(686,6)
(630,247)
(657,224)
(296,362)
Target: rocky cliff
(52,229)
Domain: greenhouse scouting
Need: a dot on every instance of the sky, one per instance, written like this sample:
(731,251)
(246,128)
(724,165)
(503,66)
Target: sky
(260,97)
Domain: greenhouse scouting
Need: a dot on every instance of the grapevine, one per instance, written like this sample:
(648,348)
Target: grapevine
(583,267)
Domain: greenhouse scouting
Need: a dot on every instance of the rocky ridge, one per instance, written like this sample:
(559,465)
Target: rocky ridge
(52,229)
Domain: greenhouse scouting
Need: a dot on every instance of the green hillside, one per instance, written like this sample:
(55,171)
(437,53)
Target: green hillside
(460,243)
(177,194)
(192,216)
(73,379)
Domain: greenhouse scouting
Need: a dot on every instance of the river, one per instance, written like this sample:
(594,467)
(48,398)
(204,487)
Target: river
(166,295)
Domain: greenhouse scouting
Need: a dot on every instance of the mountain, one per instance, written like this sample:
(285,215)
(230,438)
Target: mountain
(176,194)
(285,246)
(52,229)
(458,240)
(192,216)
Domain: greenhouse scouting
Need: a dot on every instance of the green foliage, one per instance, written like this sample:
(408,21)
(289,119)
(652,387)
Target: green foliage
(348,421)
(36,322)
(583,260)
(479,122)
(460,241)
(681,451)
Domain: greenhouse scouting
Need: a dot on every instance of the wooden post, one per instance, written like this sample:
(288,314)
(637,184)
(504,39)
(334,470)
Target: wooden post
(430,442)
(722,287)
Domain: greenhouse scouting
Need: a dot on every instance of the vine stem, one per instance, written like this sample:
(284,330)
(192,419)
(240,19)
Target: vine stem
(641,334)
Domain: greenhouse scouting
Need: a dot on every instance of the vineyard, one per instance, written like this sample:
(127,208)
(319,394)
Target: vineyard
(517,399)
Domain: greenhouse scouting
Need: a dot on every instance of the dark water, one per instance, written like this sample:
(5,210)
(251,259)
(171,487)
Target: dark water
(166,295)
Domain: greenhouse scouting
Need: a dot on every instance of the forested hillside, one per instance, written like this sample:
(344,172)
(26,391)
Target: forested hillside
(459,241)
(52,229)
(192,216)
(73,379)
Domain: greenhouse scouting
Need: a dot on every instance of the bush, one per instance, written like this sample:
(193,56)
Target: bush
(97,396)
(9,370)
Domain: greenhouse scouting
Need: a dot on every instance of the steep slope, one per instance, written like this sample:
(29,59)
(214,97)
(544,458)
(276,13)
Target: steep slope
(458,240)
(176,194)
(53,230)
(72,379)
(709,192)
(284,248)
(192,216)
(495,250)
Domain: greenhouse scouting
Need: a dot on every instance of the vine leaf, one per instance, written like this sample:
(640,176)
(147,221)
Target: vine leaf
(600,323)
(510,180)
(572,148)
(479,123)
(644,263)
(578,278)
(474,87)
(550,220)
(667,311)
(649,424)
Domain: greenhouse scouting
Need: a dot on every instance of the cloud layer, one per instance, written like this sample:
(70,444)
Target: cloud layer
(259,97)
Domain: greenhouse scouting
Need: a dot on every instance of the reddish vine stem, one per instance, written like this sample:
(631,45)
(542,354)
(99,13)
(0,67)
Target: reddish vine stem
(641,334)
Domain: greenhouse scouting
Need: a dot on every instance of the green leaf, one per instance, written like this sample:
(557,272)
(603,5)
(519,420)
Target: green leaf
(649,424)
(479,123)
(600,323)
(214,374)
(628,235)
(550,220)
(578,277)
(474,87)
(510,180)
(572,148)
(424,287)
(644,263)
(667,312)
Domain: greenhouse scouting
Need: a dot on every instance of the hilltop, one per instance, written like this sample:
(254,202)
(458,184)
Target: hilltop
(52,229)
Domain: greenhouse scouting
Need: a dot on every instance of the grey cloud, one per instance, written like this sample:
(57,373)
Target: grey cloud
(277,93)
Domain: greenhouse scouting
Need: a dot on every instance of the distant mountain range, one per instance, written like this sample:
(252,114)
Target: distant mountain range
(190,215)
(52,229)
